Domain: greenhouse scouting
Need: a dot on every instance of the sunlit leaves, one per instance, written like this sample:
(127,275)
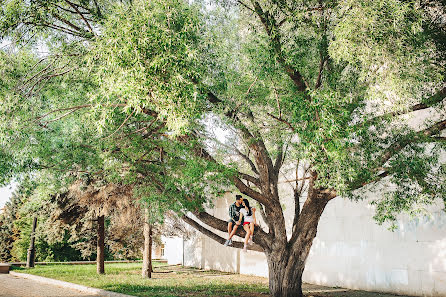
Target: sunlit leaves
(387,41)
(146,57)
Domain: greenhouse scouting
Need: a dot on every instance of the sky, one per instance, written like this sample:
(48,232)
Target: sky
(5,194)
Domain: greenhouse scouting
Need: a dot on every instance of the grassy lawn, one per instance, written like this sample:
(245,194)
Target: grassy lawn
(167,280)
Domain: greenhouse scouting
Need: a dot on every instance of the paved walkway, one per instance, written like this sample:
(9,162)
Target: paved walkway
(12,286)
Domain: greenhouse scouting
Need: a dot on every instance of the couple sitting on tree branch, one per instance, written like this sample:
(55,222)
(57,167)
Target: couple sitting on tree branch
(240,213)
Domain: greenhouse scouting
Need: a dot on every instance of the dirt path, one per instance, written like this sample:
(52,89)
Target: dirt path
(13,286)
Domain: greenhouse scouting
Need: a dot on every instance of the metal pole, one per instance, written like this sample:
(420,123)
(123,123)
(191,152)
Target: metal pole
(30,259)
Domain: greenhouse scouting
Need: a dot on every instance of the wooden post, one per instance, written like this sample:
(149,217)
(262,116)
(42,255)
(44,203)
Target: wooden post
(30,259)
(147,254)
(100,244)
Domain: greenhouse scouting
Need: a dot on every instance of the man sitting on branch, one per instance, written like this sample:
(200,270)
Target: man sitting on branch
(234,216)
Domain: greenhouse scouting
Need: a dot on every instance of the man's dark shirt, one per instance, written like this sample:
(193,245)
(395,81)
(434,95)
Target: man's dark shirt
(234,212)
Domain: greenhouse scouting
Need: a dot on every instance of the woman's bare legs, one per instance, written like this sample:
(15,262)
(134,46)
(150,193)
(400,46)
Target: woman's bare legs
(251,229)
(248,234)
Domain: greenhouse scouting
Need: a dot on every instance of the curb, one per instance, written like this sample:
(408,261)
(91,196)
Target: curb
(59,283)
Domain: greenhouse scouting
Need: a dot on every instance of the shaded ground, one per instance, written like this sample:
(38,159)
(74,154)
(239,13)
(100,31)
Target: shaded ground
(178,281)
(309,289)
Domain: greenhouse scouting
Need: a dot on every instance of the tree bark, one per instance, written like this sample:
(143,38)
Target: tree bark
(281,283)
(30,259)
(147,254)
(100,244)
(286,263)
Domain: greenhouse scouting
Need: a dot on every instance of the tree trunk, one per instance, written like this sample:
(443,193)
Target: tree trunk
(286,260)
(100,244)
(30,259)
(285,274)
(147,254)
(280,286)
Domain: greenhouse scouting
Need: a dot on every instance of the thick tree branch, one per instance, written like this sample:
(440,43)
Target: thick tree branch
(374,180)
(79,5)
(319,76)
(98,10)
(317,199)
(82,16)
(297,192)
(69,10)
(279,158)
(399,145)
(439,139)
(262,212)
(248,160)
(219,239)
(267,175)
(280,119)
(243,188)
(68,23)
(245,5)
(311,211)
(250,178)
(395,148)
(430,102)
(255,142)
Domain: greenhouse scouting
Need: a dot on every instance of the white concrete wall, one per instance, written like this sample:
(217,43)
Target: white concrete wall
(173,250)
(350,250)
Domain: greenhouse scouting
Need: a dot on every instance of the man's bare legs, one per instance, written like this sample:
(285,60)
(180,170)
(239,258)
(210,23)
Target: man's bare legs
(229,229)
(231,232)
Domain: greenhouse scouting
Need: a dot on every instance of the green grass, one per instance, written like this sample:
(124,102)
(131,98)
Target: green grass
(167,280)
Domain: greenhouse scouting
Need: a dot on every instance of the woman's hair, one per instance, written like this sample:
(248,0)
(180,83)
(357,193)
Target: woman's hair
(249,207)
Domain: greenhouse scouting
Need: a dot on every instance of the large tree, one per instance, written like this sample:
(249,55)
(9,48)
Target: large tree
(325,86)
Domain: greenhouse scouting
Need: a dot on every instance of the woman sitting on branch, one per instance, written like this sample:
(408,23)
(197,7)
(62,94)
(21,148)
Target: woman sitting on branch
(248,214)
